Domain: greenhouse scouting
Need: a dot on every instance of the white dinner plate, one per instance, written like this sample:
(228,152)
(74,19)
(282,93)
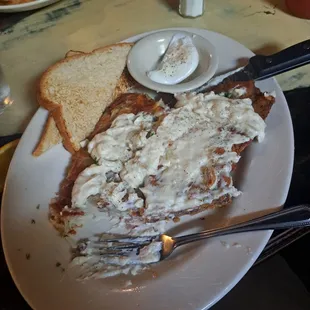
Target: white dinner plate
(28,6)
(195,277)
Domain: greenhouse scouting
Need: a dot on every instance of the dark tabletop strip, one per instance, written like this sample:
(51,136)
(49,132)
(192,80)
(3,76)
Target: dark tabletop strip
(7,21)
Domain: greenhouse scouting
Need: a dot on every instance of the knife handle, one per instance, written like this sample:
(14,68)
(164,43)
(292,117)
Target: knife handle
(287,59)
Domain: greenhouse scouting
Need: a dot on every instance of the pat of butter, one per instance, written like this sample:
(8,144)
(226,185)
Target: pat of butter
(179,61)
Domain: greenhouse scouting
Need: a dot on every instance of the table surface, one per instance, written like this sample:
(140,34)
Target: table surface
(30,42)
(43,37)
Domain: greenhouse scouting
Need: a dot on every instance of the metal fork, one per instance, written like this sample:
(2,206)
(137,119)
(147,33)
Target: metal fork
(298,216)
(5,93)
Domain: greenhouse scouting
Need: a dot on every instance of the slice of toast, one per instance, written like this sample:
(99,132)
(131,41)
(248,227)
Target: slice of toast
(66,218)
(77,90)
(50,135)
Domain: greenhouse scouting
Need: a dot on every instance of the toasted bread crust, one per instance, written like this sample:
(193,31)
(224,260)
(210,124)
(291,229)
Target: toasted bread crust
(55,108)
(73,53)
(46,141)
(50,135)
(61,126)
(125,83)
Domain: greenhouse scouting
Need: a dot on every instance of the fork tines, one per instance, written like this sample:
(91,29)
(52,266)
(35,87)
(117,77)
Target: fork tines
(113,247)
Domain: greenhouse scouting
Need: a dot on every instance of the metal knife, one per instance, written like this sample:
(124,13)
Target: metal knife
(262,67)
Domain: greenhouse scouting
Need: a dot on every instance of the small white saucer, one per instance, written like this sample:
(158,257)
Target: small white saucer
(145,54)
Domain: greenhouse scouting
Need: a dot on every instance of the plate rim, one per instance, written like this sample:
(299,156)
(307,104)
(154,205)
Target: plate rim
(32,5)
(264,239)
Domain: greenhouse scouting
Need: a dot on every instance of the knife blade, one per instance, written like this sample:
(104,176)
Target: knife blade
(262,67)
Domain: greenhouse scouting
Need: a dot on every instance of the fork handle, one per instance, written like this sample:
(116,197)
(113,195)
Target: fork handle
(298,216)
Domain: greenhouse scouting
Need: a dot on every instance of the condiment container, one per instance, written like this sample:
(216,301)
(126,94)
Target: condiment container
(191,8)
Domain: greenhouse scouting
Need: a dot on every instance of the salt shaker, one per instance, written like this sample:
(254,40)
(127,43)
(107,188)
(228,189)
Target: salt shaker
(191,8)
